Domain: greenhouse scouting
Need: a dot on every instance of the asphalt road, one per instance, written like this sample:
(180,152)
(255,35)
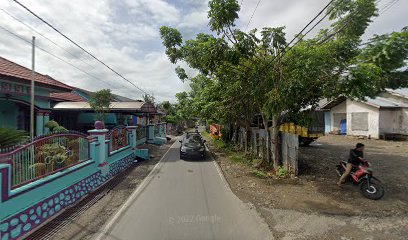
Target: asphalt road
(185,200)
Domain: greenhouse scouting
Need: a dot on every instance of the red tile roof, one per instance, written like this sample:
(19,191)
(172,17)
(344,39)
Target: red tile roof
(67,96)
(14,70)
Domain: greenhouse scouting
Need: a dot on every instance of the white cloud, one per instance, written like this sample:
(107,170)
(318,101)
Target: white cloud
(124,34)
(160,11)
(194,19)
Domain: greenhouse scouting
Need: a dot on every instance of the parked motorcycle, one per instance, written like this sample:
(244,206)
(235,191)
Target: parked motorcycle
(362,175)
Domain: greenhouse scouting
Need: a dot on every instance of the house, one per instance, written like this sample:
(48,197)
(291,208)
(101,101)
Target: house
(15,92)
(78,115)
(380,117)
(72,110)
(57,101)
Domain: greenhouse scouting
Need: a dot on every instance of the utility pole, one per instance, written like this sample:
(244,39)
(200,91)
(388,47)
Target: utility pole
(32,90)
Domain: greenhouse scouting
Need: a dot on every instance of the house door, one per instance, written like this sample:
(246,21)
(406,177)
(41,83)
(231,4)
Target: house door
(343,127)
(23,118)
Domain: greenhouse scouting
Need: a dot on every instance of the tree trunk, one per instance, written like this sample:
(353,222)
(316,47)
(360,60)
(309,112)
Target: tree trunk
(232,132)
(234,135)
(246,142)
(267,157)
(275,141)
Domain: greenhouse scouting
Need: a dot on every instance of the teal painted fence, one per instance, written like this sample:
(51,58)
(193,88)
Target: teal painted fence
(25,208)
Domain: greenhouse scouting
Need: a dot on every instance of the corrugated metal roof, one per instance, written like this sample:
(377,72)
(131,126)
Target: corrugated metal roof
(115,106)
(401,91)
(385,102)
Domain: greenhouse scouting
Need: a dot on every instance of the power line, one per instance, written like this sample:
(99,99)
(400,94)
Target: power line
(311,21)
(39,33)
(55,56)
(253,13)
(388,6)
(283,52)
(382,11)
(59,46)
(79,46)
(303,35)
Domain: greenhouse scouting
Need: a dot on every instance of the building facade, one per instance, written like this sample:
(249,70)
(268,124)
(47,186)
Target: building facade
(15,94)
(379,117)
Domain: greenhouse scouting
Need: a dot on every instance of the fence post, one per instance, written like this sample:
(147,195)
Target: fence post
(100,135)
(150,133)
(164,130)
(132,136)
(5,182)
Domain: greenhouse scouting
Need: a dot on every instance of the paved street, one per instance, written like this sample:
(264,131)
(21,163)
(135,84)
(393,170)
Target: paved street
(185,200)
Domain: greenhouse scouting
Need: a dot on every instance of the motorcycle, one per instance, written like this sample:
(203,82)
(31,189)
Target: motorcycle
(362,175)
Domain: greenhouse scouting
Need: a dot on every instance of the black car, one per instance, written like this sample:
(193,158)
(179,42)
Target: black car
(192,146)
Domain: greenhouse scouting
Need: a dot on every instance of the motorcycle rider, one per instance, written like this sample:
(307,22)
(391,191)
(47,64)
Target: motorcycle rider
(356,157)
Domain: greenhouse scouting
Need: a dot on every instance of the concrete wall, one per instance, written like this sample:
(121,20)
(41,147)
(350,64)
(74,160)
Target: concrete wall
(404,121)
(373,119)
(394,121)
(327,122)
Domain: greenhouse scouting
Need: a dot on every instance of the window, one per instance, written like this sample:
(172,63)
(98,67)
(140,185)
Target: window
(359,121)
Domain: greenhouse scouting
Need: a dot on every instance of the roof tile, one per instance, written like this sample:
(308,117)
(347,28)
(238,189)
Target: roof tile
(11,69)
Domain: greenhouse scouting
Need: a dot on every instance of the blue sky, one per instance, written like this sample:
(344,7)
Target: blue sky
(125,35)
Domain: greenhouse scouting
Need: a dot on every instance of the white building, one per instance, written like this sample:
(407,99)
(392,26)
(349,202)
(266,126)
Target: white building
(381,117)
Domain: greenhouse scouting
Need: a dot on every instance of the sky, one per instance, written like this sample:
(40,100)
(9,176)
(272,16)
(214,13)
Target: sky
(125,35)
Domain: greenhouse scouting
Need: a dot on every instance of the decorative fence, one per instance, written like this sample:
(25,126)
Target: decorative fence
(141,132)
(119,138)
(45,156)
(157,130)
(40,179)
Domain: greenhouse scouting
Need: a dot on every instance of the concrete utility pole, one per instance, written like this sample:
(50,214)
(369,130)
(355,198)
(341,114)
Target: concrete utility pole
(32,90)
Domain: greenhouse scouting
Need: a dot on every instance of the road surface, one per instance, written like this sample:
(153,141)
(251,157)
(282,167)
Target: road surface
(185,200)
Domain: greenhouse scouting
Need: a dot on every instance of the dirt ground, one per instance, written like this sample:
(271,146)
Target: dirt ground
(88,217)
(312,206)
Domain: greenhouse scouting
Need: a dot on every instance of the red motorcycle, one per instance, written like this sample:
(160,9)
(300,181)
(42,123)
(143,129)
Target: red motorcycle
(362,175)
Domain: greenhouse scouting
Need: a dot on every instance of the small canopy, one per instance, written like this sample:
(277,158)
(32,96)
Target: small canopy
(142,107)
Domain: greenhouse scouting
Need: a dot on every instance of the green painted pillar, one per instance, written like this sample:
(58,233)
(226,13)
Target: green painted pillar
(46,119)
(39,124)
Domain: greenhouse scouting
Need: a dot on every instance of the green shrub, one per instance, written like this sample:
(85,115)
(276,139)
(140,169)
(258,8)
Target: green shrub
(55,127)
(281,172)
(51,125)
(60,129)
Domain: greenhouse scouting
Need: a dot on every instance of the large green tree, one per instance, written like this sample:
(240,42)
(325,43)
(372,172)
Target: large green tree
(243,73)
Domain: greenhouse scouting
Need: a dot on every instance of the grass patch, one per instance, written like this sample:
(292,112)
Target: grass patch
(259,173)
(238,158)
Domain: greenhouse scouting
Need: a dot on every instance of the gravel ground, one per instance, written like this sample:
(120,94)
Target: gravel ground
(85,219)
(311,206)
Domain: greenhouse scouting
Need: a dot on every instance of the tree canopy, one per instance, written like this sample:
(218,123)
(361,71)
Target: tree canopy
(100,102)
(242,73)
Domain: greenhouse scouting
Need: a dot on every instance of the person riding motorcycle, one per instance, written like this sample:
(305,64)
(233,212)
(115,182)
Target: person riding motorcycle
(356,158)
